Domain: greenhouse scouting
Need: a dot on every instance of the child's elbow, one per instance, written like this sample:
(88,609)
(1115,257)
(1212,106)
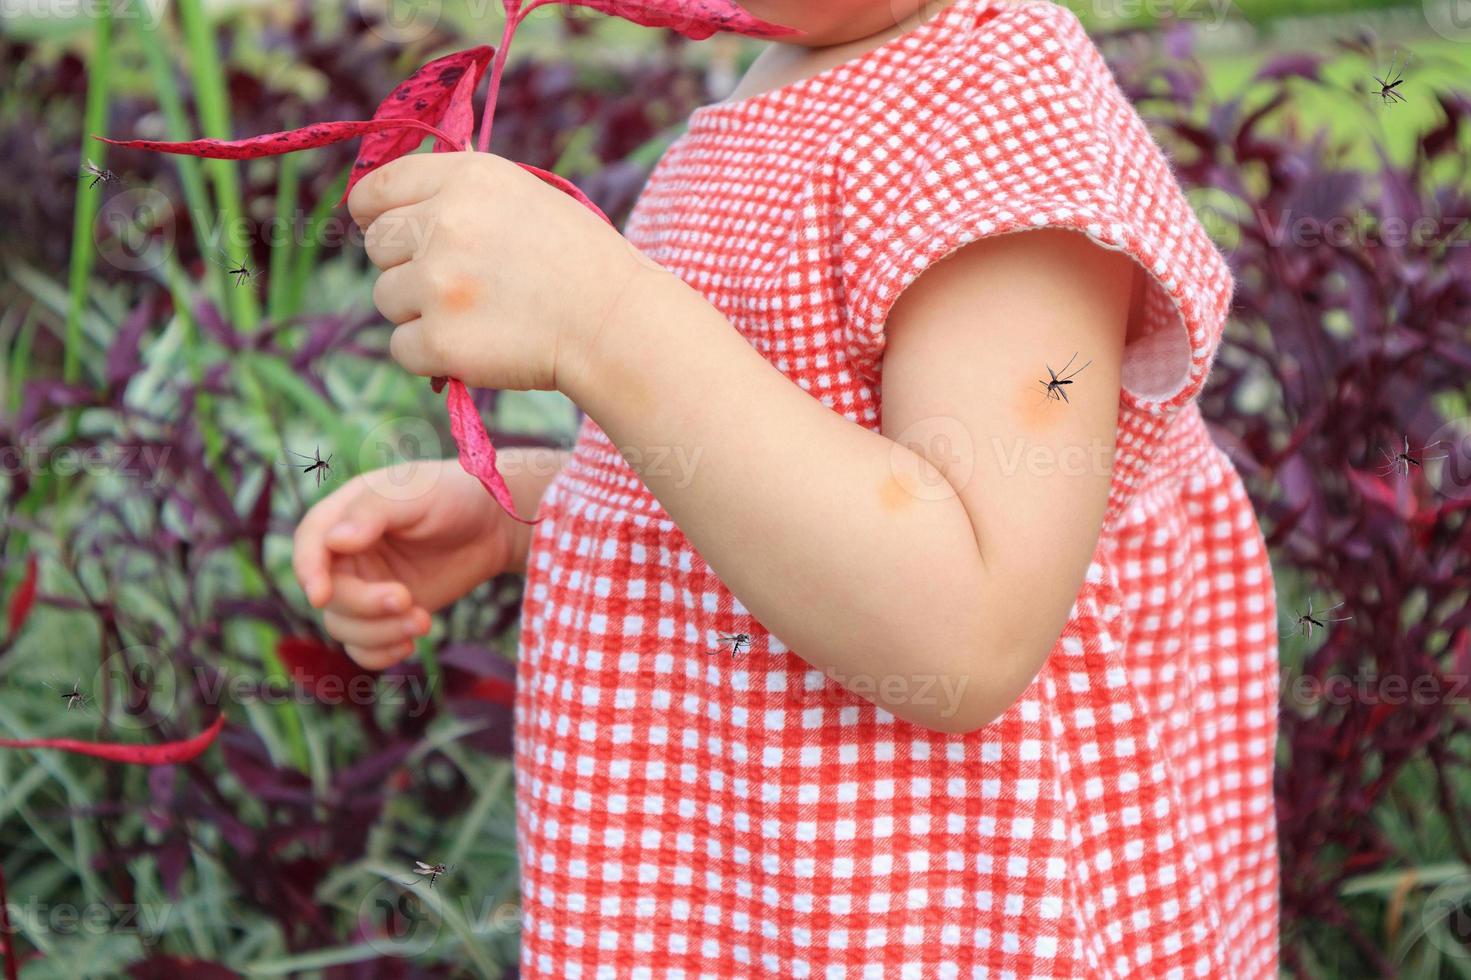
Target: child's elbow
(971,697)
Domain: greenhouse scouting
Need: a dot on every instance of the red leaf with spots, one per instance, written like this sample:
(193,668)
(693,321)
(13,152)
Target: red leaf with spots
(695,19)
(163,754)
(477,455)
(439,94)
(459,117)
(24,598)
(290,141)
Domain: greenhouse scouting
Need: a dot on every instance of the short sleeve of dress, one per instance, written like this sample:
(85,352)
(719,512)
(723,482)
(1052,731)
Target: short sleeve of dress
(1021,125)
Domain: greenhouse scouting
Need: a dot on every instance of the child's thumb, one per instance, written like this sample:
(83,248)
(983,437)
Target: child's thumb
(358,531)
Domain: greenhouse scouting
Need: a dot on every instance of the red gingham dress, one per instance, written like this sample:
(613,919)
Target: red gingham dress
(685,810)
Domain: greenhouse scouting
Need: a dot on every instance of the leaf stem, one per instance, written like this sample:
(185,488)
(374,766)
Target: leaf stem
(514,13)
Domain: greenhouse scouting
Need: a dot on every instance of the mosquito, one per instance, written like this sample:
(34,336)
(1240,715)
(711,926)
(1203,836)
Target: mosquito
(98,174)
(242,272)
(737,641)
(1392,81)
(316,464)
(1401,461)
(75,698)
(1307,622)
(431,871)
(1055,388)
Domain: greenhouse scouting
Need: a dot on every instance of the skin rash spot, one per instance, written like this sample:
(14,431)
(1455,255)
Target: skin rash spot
(1035,410)
(460,296)
(893,496)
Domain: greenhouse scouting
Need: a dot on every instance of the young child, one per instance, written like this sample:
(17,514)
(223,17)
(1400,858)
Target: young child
(895,614)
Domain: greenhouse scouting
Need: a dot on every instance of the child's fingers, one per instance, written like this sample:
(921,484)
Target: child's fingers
(358,597)
(397,294)
(397,236)
(382,631)
(407,180)
(311,559)
(409,346)
(380,658)
(364,523)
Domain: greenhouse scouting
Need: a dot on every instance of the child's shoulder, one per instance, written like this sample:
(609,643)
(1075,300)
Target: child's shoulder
(1028,58)
(1016,41)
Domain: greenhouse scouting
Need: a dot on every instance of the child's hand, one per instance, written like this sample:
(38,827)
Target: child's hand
(393,546)
(491,275)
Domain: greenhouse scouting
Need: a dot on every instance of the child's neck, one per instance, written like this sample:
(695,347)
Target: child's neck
(782,63)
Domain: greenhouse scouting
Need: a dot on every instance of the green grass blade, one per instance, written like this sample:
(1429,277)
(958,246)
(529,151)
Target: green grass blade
(89,198)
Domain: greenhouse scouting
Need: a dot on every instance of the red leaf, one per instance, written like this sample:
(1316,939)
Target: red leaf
(7,944)
(459,117)
(477,455)
(24,598)
(310,662)
(164,754)
(275,144)
(494,690)
(695,19)
(438,94)
(567,187)
(167,967)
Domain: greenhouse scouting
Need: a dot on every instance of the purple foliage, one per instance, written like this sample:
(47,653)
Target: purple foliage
(187,508)
(1351,333)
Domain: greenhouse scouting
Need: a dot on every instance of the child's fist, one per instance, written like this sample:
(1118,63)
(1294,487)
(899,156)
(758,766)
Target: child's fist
(379,563)
(491,275)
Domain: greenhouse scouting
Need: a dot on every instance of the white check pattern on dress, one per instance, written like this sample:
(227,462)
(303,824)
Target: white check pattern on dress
(688,811)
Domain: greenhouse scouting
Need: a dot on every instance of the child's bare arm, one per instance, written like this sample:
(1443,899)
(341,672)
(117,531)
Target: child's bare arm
(815,523)
(949,547)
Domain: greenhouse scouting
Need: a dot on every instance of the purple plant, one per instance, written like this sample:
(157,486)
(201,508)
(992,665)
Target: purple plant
(1349,336)
(175,522)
